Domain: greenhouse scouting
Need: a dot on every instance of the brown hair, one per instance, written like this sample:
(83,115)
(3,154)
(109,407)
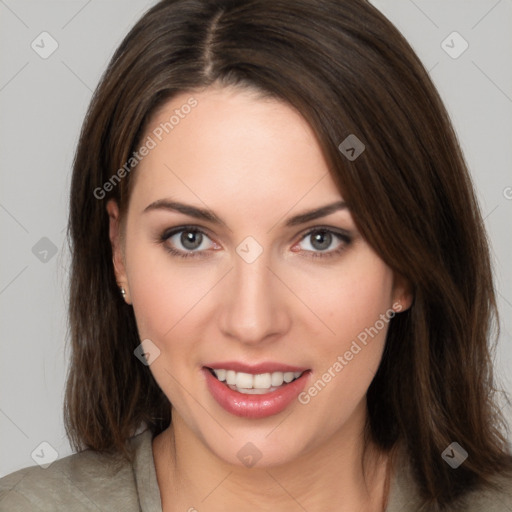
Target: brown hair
(347,70)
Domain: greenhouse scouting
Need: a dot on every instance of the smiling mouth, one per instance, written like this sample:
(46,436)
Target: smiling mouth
(254,384)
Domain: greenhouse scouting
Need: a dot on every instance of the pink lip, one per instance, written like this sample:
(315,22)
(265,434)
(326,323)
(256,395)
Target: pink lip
(255,369)
(254,406)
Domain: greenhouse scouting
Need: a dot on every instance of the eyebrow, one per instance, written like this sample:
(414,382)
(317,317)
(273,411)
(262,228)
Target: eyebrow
(208,215)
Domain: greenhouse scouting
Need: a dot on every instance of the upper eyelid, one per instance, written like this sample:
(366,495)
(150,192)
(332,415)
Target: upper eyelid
(331,229)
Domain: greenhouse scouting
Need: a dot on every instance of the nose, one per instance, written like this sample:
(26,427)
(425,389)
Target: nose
(254,307)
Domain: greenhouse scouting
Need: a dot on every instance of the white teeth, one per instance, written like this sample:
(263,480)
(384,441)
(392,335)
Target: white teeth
(251,391)
(262,381)
(244,380)
(288,376)
(221,374)
(255,384)
(277,378)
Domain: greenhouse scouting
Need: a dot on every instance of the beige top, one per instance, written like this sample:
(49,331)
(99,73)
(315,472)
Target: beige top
(90,481)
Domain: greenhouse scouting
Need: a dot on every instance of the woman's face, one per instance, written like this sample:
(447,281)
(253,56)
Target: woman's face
(260,286)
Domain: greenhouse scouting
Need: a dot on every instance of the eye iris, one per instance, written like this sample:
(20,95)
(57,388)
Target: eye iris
(321,240)
(191,239)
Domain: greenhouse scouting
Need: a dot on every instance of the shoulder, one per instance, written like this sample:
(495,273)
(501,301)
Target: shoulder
(404,493)
(83,481)
(495,498)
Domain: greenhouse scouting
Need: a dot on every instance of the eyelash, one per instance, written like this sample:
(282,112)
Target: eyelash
(342,236)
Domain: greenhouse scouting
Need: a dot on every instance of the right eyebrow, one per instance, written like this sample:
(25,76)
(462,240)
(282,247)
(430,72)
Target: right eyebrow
(186,209)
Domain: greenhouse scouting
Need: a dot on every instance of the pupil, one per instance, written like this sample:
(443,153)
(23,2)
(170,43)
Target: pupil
(321,240)
(191,239)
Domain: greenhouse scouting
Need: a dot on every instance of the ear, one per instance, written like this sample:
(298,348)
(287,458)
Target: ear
(402,294)
(117,248)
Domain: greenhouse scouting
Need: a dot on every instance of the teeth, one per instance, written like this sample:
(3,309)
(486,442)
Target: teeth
(221,374)
(244,380)
(288,376)
(277,378)
(230,376)
(262,381)
(256,383)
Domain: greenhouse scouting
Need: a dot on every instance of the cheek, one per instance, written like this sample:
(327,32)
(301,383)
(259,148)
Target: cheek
(356,309)
(152,287)
(367,296)
(166,298)
(351,298)
(167,304)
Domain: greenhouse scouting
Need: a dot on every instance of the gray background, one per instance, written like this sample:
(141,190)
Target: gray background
(43,102)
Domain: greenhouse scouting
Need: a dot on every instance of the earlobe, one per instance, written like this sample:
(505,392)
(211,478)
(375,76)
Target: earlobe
(117,252)
(402,294)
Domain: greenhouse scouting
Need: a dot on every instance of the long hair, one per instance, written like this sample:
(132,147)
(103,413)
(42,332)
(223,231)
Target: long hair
(348,71)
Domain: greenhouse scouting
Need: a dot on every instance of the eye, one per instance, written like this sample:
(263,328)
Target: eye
(324,242)
(187,242)
(190,241)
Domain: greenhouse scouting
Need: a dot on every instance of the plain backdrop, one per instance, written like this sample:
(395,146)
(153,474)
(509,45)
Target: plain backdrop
(43,102)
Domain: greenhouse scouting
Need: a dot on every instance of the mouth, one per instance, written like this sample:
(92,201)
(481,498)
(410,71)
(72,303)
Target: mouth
(254,384)
(259,391)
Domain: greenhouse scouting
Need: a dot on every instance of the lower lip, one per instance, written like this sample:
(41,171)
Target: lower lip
(254,406)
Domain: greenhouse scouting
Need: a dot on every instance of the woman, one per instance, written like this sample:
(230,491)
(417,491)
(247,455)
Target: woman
(273,229)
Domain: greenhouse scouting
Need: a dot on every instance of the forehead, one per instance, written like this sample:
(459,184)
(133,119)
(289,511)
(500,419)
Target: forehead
(228,145)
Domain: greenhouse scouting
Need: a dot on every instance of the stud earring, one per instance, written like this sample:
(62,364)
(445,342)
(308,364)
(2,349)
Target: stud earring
(123,292)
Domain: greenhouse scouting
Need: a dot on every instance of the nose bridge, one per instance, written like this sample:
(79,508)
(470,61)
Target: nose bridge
(254,308)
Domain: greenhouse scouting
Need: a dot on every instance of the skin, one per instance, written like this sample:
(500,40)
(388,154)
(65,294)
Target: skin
(255,163)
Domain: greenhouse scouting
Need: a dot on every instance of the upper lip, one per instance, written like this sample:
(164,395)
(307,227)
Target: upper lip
(255,369)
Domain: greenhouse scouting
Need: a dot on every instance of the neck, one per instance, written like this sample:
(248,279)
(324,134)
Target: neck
(331,476)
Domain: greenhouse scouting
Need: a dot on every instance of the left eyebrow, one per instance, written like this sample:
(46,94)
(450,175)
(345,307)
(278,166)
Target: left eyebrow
(317,213)
(208,215)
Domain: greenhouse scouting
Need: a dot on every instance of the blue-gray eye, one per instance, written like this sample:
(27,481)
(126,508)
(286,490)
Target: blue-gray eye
(321,240)
(187,240)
